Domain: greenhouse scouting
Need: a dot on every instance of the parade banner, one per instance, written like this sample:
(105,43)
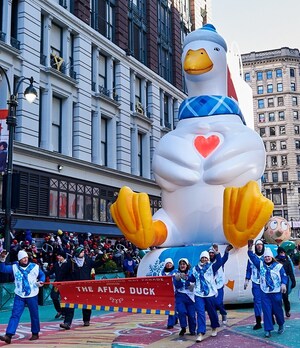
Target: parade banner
(148,295)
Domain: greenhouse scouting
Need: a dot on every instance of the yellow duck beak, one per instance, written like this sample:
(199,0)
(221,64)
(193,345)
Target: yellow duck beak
(197,62)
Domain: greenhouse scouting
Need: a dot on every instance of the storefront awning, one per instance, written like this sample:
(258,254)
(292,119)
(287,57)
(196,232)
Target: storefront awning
(53,226)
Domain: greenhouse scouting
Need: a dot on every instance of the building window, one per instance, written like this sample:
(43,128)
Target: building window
(280,101)
(295,115)
(102,74)
(293,86)
(260,103)
(138,90)
(298,159)
(281,130)
(284,160)
(278,72)
(137,30)
(283,145)
(296,129)
(271,116)
(260,89)
(270,88)
(274,161)
(273,146)
(269,74)
(292,72)
(75,200)
(274,176)
(164,40)
(262,131)
(56,123)
(272,131)
(297,144)
(103,17)
(247,77)
(167,118)
(279,87)
(104,147)
(294,101)
(276,196)
(285,176)
(265,177)
(270,102)
(261,118)
(56,47)
(259,76)
(298,174)
(281,115)
(140,154)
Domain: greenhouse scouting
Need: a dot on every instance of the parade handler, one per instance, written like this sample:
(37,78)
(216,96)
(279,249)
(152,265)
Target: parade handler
(28,279)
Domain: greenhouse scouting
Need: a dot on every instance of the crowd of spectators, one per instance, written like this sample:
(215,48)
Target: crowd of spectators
(112,255)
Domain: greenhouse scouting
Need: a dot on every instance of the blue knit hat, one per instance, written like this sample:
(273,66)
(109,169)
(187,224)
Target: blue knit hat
(206,33)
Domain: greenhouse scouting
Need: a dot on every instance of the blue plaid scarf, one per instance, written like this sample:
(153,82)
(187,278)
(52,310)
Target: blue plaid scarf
(203,282)
(25,283)
(269,280)
(209,105)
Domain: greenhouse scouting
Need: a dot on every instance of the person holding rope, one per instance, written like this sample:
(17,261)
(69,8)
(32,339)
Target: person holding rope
(62,272)
(81,269)
(28,279)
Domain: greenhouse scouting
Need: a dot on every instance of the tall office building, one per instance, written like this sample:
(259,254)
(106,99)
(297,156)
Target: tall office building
(274,77)
(110,84)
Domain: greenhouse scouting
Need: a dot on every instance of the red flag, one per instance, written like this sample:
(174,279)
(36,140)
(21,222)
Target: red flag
(148,295)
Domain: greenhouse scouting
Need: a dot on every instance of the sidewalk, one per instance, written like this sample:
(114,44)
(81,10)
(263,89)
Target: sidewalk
(120,330)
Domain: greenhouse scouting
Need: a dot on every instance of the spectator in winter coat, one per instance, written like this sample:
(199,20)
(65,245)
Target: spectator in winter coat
(287,264)
(129,265)
(62,271)
(81,269)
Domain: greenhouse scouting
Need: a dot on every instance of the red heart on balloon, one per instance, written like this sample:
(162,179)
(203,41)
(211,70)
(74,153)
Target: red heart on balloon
(206,145)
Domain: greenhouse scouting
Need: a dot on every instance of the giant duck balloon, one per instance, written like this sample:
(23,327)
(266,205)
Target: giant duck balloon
(208,169)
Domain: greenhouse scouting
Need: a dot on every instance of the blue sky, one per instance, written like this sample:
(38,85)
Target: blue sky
(258,25)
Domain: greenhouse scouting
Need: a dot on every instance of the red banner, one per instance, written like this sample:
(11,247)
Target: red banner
(149,295)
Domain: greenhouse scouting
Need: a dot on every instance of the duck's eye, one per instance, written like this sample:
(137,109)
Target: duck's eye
(216,49)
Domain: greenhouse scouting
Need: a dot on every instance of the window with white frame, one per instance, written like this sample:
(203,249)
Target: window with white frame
(261,118)
(140,154)
(284,160)
(282,130)
(104,147)
(56,47)
(285,176)
(274,161)
(283,145)
(281,116)
(102,78)
(56,123)
(167,116)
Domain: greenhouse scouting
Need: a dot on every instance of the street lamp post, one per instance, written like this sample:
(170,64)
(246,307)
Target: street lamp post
(30,94)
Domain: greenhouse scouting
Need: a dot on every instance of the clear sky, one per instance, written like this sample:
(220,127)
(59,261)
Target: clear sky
(258,25)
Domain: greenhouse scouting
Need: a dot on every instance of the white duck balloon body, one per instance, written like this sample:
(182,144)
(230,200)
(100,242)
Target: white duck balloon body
(207,168)
(193,178)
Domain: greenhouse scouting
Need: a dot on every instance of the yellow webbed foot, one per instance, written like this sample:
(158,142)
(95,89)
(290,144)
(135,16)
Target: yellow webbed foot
(245,213)
(132,214)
